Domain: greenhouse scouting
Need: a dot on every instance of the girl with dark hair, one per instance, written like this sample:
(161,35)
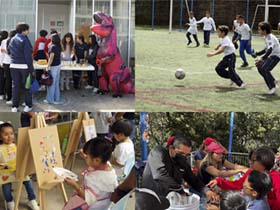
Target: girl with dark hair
(54,66)
(93,75)
(68,56)
(3,36)
(81,54)
(6,66)
(100,178)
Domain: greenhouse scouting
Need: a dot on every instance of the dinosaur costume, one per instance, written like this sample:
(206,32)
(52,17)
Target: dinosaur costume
(113,69)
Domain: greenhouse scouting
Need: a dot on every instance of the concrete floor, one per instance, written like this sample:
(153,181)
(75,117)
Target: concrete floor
(78,100)
(53,197)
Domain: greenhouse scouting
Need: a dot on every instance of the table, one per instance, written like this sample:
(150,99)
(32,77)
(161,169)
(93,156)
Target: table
(67,68)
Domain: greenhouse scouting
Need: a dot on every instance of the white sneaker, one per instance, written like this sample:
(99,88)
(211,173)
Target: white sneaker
(1,97)
(33,205)
(242,86)
(88,87)
(9,102)
(95,90)
(14,109)
(42,88)
(46,101)
(271,91)
(27,109)
(23,104)
(11,205)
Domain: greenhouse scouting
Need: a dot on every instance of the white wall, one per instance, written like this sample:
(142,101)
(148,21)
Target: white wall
(54,12)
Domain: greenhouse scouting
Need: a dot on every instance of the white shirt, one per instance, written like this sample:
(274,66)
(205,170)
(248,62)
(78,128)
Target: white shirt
(6,57)
(1,57)
(208,23)
(272,41)
(235,25)
(99,185)
(228,45)
(193,28)
(244,30)
(122,153)
(101,121)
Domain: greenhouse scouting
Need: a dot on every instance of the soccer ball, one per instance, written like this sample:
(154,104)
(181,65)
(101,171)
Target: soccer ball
(180,73)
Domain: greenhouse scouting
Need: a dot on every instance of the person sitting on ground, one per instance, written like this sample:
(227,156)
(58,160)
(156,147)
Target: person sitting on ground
(213,165)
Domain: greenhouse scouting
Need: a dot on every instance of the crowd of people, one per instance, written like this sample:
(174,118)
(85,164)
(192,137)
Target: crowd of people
(256,187)
(16,64)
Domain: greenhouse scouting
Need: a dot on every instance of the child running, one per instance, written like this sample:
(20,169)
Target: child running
(235,31)
(8,151)
(229,59)
(270,58)
(192,29)
(208,25)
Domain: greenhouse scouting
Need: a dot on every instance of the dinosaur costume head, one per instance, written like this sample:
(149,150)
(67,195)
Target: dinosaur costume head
(103,24)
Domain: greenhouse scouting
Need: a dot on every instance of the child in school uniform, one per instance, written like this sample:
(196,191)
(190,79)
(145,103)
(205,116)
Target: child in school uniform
(270,58)
(208,25)
(192,29)
(99,178)
(124,150)
(235,31)
(3,35)
(229,58)
(245,37)
(8,168)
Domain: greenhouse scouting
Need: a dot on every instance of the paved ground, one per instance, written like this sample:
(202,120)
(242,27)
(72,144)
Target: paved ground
(53,197)
(79,100)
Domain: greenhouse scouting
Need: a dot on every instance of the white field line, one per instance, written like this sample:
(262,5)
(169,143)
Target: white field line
(172,71)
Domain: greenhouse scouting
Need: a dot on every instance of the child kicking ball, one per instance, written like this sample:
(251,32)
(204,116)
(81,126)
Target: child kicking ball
(229,59)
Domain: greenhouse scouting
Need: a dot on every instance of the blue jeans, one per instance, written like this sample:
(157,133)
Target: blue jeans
(244,45)
(7,191)
(53,92)
(132,135)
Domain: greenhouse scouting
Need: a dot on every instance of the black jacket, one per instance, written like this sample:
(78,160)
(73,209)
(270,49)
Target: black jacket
(163,174)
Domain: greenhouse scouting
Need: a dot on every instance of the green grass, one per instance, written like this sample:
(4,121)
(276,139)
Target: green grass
(159,54)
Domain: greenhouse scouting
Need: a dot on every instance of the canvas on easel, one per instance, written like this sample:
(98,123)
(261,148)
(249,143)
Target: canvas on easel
(89,129)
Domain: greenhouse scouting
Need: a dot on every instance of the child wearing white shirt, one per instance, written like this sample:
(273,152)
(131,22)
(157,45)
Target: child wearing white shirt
(192,29)
(124,150)
(235,31)
(271,56)
(3,36)
(226,47)
(208,25)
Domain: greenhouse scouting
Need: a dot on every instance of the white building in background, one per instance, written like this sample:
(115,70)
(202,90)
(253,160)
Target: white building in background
(69,15)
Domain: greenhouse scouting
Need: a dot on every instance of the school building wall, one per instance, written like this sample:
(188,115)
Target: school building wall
(225,11)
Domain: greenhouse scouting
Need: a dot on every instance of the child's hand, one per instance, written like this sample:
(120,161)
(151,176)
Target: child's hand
(209,55)
(212,183)
(212,207)
(70,182)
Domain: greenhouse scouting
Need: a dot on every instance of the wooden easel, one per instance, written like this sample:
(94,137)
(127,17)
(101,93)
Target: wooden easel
(74,137)
(25,162)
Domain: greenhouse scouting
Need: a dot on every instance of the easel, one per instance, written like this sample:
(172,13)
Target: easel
(25,162)
(74,137)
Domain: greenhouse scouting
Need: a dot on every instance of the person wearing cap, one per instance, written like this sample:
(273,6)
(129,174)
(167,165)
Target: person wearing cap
(213,164)
(167,169)
(202,151)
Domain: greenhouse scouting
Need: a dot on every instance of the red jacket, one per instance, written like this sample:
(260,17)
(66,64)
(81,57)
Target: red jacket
(36,45)
(273,196)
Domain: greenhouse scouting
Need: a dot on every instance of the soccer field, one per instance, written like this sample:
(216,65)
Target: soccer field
(159,54)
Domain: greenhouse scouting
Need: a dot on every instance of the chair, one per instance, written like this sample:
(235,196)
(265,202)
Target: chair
(122,203)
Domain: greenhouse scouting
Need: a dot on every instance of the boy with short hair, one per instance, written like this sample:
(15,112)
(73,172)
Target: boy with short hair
(271,56)
(208,25)
(124,150)
(256,186)
(229,58)
(235,30)
(245,37)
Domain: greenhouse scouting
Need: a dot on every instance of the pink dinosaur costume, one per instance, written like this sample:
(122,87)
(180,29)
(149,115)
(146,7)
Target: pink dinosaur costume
(113,69)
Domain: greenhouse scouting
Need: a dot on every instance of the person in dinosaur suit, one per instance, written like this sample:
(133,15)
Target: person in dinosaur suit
(113,69)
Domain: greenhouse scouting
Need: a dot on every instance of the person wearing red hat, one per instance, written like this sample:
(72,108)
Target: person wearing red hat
(167,169)
(202,151)
(213,163)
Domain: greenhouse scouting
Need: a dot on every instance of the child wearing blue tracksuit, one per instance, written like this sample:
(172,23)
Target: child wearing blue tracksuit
(245,37)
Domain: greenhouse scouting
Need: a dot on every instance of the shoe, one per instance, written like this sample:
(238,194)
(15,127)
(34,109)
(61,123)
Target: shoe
(11,205)
(23,104)
(46,101)
(67,87)
(276,83)
(95,90)
(9,102)
(117,95)
(14,109)
(42,88)
(197,45)
(1,97)
(88,87)
(271,91)
(33,205)
(189,43)
(27,109)
(253,55)
(62,89)
(244,65)
(56,102)
(242,86)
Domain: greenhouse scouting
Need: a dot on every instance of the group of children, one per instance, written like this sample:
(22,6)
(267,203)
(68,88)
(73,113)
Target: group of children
(15,54)
(105,164)
(243,34)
